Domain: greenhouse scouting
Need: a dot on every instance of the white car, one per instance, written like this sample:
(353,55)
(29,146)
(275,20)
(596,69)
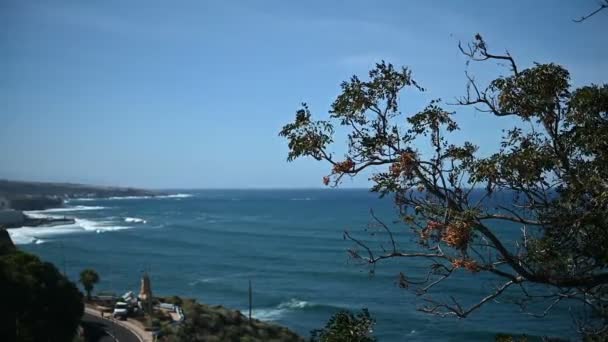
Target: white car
(121,310)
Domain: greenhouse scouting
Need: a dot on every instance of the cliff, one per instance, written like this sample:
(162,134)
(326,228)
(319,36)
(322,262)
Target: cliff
(6,244)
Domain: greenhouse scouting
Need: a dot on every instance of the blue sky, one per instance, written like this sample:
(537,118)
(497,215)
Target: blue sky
(193,93)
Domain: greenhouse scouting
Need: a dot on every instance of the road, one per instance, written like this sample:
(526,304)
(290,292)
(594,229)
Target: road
(103,330)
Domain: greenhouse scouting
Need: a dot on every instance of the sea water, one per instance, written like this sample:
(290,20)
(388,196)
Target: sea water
(289,243)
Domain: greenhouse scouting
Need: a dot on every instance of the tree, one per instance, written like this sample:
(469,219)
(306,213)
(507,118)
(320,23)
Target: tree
(547,182)
(88,279)
(346,327)
(38,302)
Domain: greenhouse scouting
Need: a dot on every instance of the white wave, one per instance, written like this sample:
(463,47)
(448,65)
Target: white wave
(101,226)
(203,280)
(29,235)
(19,238)
(267,314)
(149,197)
(39,214)
(83,199)
(126,197)
(294,304)
(176,196)
(114,198)
(75,208)
(301,199)
(135,220)
(272,314)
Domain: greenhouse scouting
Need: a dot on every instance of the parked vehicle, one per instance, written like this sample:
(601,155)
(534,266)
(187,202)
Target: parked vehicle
(121,310)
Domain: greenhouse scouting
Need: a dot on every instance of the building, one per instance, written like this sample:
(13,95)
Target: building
(145,294)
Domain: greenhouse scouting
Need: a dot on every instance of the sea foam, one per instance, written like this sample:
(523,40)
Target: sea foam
(74,208)
(117,198)
(272,314)
(135,220)
(35,235)
(148,197)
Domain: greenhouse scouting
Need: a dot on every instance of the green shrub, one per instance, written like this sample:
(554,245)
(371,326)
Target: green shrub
(344,326)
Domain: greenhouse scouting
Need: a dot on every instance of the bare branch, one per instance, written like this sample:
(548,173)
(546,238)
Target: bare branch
(390,233)
(457,309)
(478,51)
(509,218)
(603,6)
(429,286)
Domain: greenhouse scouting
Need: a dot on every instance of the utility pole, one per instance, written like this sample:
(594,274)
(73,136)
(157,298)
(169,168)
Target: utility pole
(249,301)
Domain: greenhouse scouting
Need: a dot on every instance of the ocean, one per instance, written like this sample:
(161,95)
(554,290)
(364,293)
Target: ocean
(208,244)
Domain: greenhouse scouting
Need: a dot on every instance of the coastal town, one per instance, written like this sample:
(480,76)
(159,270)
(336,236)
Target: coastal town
(142,314)
(144,317)
(135,315)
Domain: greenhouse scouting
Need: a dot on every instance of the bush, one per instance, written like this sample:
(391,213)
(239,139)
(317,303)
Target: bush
(344,326)
(40,304)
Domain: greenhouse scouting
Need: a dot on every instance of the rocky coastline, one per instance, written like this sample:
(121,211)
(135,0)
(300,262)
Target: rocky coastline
(17,197)
(29,221)
(217,323)
(25,196)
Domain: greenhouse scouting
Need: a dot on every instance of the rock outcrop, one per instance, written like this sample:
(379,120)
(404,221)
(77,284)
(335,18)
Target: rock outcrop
(40,196)
(217,323)
(35,203)
(20,189)
(6,244)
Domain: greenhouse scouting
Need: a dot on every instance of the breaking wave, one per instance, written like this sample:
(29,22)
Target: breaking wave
(294,304)
(38,235)
(59,210)
(176,196)
(218,279)
(135,220)
(117,198)
(149,197)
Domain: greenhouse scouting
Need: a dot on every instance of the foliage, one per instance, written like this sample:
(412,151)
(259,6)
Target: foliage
(88,279)
(174,300)
(344,326)
(552,168)
(38,303)
(509,338)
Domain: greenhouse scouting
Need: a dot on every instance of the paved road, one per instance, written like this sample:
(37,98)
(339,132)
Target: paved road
(102,330)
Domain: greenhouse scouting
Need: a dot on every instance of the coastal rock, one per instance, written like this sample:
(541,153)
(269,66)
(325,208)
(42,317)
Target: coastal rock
(34,203)
(11,218)
(217,323)
(6,244)
(40,196)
